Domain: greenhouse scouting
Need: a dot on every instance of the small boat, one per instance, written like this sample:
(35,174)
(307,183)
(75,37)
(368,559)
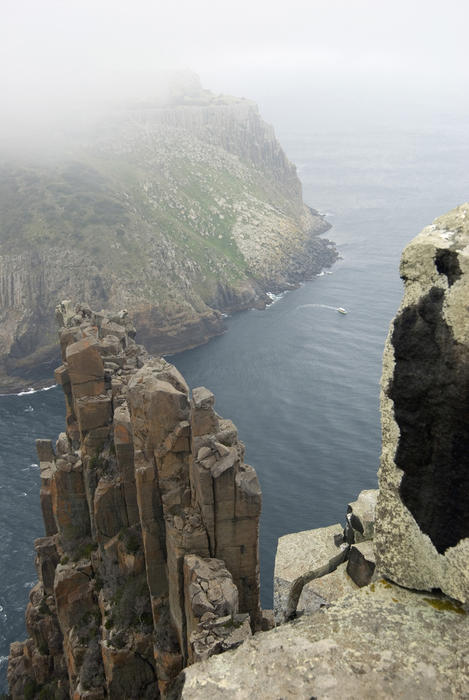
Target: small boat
(341,310)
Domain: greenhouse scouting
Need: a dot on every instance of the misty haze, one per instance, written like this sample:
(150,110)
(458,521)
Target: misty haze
(230,187)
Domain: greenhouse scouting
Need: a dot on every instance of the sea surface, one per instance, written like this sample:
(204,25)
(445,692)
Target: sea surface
(300,380)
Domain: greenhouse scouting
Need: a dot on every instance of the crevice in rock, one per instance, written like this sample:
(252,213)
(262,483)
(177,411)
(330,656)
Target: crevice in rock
(447,263)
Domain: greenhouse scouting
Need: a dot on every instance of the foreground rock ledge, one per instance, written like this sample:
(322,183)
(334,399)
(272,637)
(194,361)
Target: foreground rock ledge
(150,559)
(380,642)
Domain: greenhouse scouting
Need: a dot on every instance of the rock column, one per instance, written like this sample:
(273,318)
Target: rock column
(143,478)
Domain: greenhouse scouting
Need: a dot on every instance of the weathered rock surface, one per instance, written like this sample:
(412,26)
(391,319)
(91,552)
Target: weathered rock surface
(176,212)
(150,559)
(422,530)
(211,605)
(326,589)
(302,557)
(380,642)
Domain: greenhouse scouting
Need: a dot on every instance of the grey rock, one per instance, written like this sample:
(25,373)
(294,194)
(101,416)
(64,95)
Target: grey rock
(325,590)
(302,557)
(379,642)
(361,564)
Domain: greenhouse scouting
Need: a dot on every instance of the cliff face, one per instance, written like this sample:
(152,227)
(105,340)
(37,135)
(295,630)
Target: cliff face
(150,555)
(176,213)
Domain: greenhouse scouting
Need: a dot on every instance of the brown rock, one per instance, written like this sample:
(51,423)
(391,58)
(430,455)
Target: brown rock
(140,480)
(93,412)
(47,559)
(210,594)
(204,420)
(69,502)
(85,367)
(128,675)
(110,513)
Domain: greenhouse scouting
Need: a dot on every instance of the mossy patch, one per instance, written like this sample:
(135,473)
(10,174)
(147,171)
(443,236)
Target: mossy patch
(445,605)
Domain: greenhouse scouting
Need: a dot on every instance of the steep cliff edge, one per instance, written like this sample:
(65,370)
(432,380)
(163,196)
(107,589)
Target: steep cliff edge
(354,624)
(150,555)
(178,212)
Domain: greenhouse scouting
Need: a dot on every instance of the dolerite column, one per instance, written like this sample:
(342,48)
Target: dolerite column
(422,517)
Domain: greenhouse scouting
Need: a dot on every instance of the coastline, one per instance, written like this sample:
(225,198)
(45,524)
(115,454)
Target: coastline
(202,330)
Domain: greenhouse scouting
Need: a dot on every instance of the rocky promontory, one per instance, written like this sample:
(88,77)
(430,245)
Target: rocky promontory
(178,210)
(150,555)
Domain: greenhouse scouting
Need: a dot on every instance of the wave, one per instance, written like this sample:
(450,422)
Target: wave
(275,297)
(31,466)
(30,390)
(318,306)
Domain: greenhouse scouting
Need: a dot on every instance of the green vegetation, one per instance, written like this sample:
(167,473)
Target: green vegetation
(96,462)
(131,604)
(84,552)
(132,539)
(150,213)
(445,605)
(44,608)
(31,689)
(43,648)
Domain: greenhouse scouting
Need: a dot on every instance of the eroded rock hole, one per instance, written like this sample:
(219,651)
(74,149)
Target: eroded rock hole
(430,390)
(447,263)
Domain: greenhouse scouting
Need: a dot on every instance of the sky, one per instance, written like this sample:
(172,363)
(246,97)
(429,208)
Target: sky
(354,57)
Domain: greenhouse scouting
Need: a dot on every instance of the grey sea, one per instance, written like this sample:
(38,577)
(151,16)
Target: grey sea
(300,380)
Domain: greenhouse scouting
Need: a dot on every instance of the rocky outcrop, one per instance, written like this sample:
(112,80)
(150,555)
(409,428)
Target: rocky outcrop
(422,533)
(381,641)
(150,559)
(178,212)
(301,558)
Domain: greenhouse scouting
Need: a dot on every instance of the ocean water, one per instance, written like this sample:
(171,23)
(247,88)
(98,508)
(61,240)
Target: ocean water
(300,380)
